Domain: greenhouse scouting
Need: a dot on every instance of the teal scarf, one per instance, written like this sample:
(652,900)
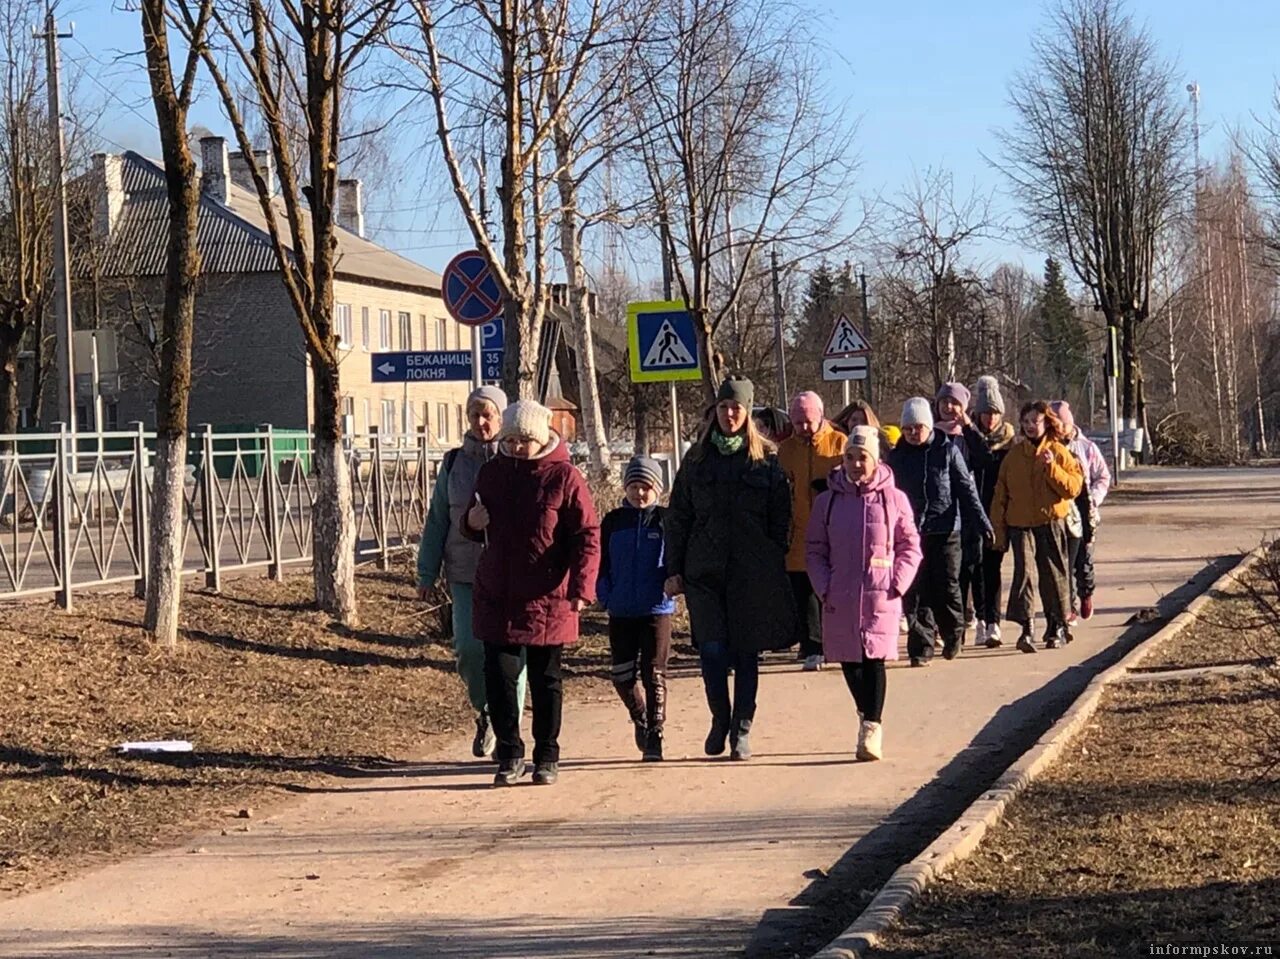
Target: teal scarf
(728,445)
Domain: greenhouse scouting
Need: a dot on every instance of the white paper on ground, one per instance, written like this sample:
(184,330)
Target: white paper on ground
(156,746)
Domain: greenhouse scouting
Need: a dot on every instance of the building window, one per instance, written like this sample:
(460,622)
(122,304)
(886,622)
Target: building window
(364,326)
(384,329)
(426,416)
(342,324)
(442,422)
(424,328)
(389,416)
(368,416)
(406,331)
(442,333)
(460,418)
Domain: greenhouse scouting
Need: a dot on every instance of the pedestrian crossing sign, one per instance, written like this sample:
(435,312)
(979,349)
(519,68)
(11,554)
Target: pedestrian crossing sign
(845,339)
(661,342)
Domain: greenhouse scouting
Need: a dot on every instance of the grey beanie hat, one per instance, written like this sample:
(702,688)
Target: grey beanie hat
(643,469)
(488,394)
(737,388)
(987,397)
(917,411)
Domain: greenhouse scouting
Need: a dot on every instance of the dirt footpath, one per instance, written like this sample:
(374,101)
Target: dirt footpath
(693,857)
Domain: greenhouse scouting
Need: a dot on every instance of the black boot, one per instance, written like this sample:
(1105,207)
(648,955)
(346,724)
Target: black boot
(653,746)
(721,716)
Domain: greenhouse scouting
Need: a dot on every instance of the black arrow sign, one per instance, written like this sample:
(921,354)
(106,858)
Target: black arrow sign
(848,369)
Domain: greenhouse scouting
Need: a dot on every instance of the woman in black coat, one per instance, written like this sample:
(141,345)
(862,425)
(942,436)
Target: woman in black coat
(727,529)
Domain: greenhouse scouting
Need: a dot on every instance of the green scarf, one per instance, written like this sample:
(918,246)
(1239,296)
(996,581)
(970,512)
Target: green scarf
(728,445)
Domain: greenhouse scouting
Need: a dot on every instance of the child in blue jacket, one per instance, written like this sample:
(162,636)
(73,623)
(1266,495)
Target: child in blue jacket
(632,572)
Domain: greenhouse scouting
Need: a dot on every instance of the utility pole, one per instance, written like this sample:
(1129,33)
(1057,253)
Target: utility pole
(778,345)
(866,330)
(61,254)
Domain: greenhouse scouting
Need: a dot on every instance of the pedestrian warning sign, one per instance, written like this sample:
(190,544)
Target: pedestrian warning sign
(667,350)
(662,343)
(846,339)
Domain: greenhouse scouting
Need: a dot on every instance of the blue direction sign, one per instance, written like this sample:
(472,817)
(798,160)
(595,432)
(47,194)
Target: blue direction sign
(493,341)
(470,291)
(426,366)
(662,343)
(433,366)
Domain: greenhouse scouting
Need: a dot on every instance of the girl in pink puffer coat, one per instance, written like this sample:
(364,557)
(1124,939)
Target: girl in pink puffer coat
(862,551)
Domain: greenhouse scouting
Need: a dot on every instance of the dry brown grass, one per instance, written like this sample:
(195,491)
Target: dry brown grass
(1153,828)
(273,696)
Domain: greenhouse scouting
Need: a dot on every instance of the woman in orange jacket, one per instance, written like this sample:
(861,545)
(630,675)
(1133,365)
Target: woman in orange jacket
(1038,480)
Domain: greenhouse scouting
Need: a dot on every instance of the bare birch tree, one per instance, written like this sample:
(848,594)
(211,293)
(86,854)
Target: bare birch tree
(1098,159)
(26,196)
(252,48)
(747,150)
(172,97)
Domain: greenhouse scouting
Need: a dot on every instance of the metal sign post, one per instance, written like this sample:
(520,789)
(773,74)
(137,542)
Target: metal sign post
(663,348)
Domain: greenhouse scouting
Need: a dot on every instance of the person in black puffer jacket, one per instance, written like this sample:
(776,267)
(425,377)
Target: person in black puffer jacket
(989,443)
(727,527)
(929,468)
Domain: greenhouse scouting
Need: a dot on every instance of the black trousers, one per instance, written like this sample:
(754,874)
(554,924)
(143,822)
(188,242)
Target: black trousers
(640,648)
(546,689)
(933,601)
(971,582)
(866,680)
(992,585)
(808,615)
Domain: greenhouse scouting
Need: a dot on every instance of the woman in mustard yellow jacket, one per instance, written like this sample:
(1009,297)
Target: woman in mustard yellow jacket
(807,456)
(1038,480)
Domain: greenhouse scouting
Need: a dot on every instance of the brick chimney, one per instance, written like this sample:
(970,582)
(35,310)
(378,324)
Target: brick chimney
(215,169)
(351,206)
(108,172)
(241,176)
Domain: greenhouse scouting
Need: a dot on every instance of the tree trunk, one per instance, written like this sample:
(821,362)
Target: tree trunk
(1129,368)
(333,530)
(182,272)
(164,575)
(9,402)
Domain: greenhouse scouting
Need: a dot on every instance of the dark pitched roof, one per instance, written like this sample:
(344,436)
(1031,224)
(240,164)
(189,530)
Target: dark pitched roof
(233,238)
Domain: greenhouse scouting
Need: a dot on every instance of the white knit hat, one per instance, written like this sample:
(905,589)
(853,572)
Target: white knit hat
(527,419)
(917,411)
(866,438)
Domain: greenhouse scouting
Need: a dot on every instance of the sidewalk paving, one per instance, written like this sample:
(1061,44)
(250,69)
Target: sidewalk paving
(693,857)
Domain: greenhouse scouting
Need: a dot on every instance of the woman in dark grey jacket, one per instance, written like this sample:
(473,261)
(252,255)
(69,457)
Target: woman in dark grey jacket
(726,532)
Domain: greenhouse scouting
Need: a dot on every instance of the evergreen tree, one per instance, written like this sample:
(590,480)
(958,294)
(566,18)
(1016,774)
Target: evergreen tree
(1063,337)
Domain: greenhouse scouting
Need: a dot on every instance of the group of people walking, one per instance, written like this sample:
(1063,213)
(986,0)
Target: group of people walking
(832,541)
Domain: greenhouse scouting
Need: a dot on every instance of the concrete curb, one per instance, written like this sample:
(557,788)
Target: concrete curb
(960,840)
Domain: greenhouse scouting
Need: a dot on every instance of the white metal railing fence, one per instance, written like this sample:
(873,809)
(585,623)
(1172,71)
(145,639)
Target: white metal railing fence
(74,508)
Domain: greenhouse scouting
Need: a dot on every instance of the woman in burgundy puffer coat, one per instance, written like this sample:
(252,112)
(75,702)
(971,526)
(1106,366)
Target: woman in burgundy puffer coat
(862,551)
(536,573)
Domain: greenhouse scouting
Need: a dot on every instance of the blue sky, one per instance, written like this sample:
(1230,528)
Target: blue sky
(926,77)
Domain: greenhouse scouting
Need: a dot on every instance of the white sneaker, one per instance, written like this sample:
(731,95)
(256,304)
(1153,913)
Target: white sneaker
(813,663)
(862,737)
(980,634)
(993,640)
(870,741)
